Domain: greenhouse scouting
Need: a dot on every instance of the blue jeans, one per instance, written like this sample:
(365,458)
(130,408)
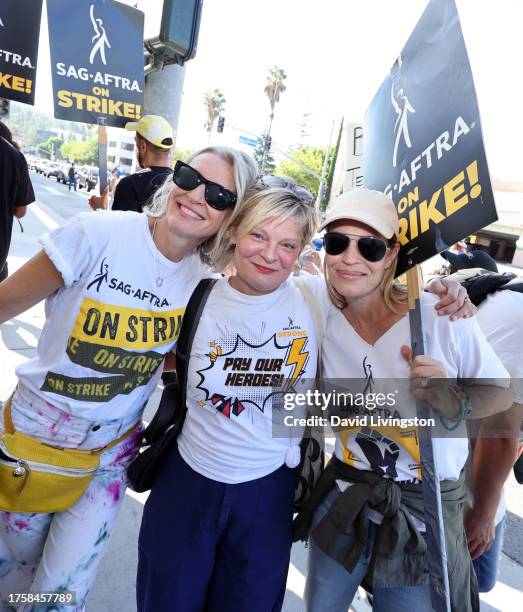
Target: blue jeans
(486,566)
(331,588)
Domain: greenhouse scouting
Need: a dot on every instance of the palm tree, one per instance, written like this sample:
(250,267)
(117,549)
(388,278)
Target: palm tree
(274,87)
(214,101)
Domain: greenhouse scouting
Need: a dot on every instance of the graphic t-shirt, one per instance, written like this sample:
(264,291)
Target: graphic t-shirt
(244,349)
(393,451)
(107,330)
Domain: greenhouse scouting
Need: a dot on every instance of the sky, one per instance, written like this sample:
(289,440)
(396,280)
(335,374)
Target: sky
(336,53)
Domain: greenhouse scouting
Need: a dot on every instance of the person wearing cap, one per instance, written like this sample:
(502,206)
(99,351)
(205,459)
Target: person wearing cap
(154,142)
(365,519)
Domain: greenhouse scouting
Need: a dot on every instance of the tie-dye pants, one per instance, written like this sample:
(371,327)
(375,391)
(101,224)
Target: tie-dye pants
(62,551)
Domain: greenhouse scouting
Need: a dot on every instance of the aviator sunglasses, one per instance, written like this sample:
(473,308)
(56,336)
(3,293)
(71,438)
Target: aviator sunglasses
(371,248)
(187,178)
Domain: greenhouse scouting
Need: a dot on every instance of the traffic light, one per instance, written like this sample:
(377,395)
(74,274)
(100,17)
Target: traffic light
(268,142)
(4,108)
(221,123)
(178,36)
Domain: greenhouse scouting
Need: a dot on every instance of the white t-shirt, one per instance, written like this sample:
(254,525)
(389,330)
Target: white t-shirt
(500,317)
(243,347)
(390,450)
(107,330)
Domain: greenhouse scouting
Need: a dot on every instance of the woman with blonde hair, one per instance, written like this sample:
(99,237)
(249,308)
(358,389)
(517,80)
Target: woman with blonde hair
(216,528)
(116,285)
(368,520)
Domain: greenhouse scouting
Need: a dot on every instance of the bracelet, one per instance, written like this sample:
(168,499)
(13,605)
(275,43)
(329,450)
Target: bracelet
(465,408)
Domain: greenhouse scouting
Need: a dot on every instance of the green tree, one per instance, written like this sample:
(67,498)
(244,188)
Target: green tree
(81,151)
(312,158)
(274,87)
(259,153)
(52,146)
(181,154)
(214,101)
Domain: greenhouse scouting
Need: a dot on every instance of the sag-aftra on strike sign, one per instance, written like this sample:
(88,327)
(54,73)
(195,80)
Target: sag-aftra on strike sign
(96,60)
(19,34)
(423,143)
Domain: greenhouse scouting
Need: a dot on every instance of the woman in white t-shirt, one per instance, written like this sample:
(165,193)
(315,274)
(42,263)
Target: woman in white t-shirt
(116,285)
(368,506)
(216,529)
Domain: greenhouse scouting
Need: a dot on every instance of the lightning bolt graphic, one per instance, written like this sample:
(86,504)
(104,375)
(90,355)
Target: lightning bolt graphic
(296,358)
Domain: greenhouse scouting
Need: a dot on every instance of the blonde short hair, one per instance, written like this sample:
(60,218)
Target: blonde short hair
(244,171)
(270,198)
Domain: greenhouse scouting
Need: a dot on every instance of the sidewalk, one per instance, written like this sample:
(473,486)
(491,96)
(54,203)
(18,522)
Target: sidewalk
(113,590)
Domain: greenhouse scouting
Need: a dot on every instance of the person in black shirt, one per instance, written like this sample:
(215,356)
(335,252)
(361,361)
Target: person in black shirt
(16,192)
(154,141)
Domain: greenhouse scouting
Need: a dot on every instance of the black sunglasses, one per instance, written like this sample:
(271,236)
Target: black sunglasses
(371,248)
(187,178)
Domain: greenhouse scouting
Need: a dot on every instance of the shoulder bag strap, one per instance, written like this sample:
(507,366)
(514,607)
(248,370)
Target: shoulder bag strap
(191,318)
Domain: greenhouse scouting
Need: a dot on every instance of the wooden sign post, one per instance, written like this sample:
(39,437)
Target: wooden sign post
(436,550)
(102,154)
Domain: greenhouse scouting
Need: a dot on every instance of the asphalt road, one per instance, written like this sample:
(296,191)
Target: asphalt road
(57,198)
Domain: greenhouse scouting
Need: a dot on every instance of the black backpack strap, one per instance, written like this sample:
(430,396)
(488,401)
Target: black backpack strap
(191,318)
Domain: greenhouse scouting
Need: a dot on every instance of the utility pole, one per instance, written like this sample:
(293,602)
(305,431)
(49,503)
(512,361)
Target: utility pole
(171,41)
(324,170)
(163,93)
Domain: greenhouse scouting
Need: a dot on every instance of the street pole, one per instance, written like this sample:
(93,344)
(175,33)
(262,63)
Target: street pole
(436,549)
(102,153)
(163,94)
(324,169)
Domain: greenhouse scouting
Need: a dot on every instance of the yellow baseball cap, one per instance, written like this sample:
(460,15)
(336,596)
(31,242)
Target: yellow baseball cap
(154,129)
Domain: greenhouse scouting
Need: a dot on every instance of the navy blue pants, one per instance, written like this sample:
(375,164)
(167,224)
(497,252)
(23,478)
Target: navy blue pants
(214,547)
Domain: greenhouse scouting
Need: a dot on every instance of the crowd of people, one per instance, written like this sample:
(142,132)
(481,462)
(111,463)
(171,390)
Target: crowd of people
(220,519)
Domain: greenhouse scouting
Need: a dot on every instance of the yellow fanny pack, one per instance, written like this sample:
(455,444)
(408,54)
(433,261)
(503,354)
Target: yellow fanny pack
(37,477)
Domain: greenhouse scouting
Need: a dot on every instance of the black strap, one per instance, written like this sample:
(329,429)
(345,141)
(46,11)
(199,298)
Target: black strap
(191,318)
(172,407)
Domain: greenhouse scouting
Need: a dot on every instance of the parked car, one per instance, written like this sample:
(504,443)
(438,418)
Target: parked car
(41,165)
(88,177)
(53,170)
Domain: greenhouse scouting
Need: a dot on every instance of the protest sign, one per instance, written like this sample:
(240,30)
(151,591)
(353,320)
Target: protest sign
(423,143)
(96,61)
(19,35)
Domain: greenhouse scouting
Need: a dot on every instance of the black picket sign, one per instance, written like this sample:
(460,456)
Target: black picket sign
(19,35)
(96,60)
(423,143)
